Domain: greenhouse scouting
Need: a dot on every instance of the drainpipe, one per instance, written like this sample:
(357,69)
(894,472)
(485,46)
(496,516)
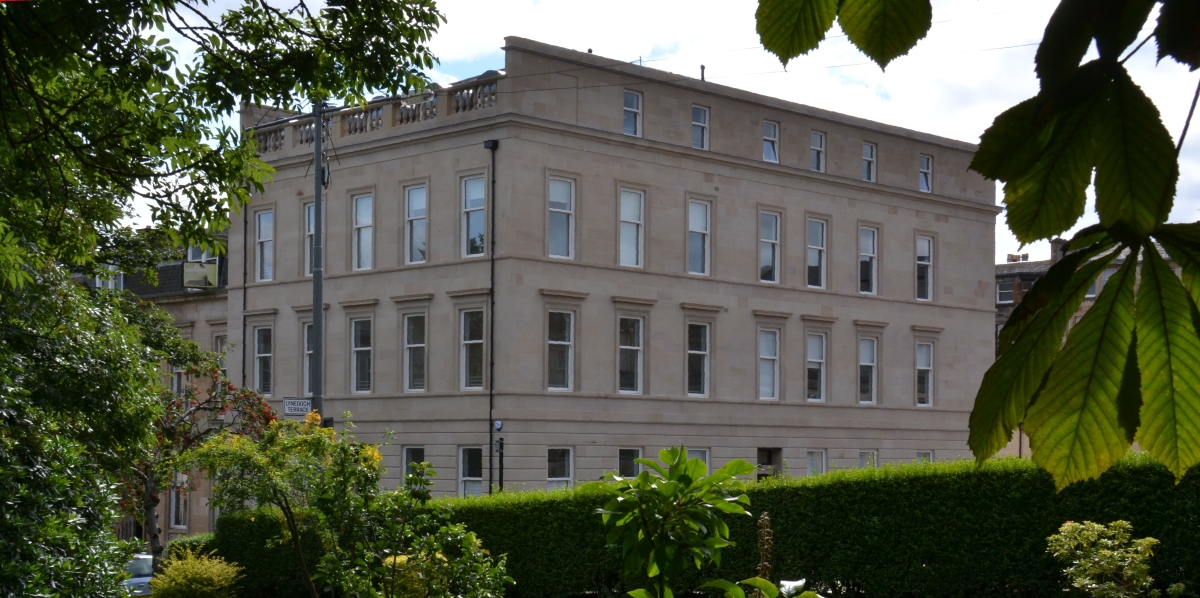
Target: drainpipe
(245,289)
(492,145)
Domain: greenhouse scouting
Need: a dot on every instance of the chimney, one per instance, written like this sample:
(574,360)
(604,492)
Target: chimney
(1056,249)
(1014,257)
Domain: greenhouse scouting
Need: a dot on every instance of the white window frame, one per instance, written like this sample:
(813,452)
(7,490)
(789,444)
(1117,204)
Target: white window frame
(178,380)
(410,347)
(259,357)
(560,482)
(870,160)
(264,246)
(410,224)
(816,151)
(705,237)
(570,348)
(821,459)
(637,349)
(637,112)
(868,459)
(637,467)
(706,359)
(925,173)
(822,369)
(702,454)
(462,468)
(927,265)
(405,459)
(703,126)
(870,361)
(1011,292)
(306,358)
(929,372)
(310,228)
(464,375)
(466,215)
(179,504)
(820,250)
(638,226)
(570,215)
(771,360)
(871,256)
(358,353)
(770,140)
(768,245)
(363,249)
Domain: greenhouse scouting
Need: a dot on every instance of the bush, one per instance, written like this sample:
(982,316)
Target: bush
(254,540)
(932,530)
(196,543)
(190,574)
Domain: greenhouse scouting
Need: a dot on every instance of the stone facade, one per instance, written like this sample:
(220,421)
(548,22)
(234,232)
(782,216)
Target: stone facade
(558,117)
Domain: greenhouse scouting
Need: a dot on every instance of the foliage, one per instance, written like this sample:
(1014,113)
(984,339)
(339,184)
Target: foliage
(669,516)
(191,574)
(257,540)
(196,543)
(99,115)
(1128,370)
(1104,560)
(939,530)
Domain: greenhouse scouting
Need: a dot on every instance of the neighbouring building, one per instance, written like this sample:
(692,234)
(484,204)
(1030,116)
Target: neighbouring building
(592,260)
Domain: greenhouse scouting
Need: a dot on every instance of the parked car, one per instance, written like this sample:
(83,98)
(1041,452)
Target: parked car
(141,568)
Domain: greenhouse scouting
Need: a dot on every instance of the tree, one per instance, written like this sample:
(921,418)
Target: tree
(1130,370)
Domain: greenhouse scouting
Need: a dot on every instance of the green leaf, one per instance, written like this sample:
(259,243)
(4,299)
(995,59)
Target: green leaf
(731,589)
(1066,39)
(885,29)
(761,585)
(789,28)
(1168,350)
(1074,429)
(1012,144)
(1178,32)
(1012,382)
(1136,167)
(1118,23)
(641,594)
(736,467)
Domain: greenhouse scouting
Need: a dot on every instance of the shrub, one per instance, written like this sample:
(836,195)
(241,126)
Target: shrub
(932,530)
(196,543)
(1104,560)
(189,574)
(254,540)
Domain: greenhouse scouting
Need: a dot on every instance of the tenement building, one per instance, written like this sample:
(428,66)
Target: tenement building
(592,260)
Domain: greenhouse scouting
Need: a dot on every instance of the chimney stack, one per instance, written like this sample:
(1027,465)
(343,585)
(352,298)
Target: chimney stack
(1056,249)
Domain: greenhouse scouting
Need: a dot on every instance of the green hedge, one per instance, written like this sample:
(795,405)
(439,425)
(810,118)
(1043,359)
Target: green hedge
(255,541)
(197,543)
(929,530)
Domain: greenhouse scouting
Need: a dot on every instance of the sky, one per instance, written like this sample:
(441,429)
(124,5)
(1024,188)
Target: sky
(976,61)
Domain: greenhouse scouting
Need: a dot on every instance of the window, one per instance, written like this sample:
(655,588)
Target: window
(560,356)
(770,461)
(1004,292)
(867,254)
(558,468)
(697,360)
(264,242)
(262,360)
(363,227)
(869,162)
(470,471)
(113,280)
(816,462)
(868,459)
(219,348)
(307,365)
(633,113)
(817,151)
(700,127)
(768,364)
(815,378)
(1091,292)
(629,358)
(768,247)
(701,454)
(924,456)
(770,141)
(631,218)
(360,348)
(413,454)
(925,374)
(698,226)
(178,381)
(310,232)
(926,174)
(924,268)
(627,465)
(200,255)
(472,349)
(414,353)
(474,235)
(816,254)
(179,503)
(562,218)
(866,370)
(415,223)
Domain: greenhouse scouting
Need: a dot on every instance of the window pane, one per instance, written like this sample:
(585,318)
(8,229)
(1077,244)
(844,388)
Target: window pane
(560,234)
(766,378)
(697,337)
(558,463)
(362,211)
(766,261)
(474,365)
(866,241)
(768,343)
(699,115)
(472,459)
(698,136)
(474,232)
(813,380)
(560,195)
(416,240)
(923,387)
(416,202)
(473,193)
(416,368)
(631,119)
(924,355)
(700,454)
(696,373)
(472,325)
(816,347)
(629,244)
(923,281)
(769,153)
(363,247)
(628,369)
(696,253)
(698,216)
(816,462)
(770,130)
(769,224)
(866,351)
(266,225)
(559,359)
(866,383)
(633,101)
(362,371)
(924,249)
(866,274)
(362,334)
(560,326)
(868,151)
(816,233)
(815,277)
(631,332)
(413,454)
(416,330)
(631,206)
(627,467)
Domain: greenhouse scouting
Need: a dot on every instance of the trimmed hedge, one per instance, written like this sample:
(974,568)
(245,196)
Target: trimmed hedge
(254,540)
(930,530)
(197,543)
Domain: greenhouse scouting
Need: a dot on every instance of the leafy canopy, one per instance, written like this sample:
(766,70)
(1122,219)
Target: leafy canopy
(1130,369)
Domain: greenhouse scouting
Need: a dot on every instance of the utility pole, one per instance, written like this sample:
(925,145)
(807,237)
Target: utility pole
(317,371)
